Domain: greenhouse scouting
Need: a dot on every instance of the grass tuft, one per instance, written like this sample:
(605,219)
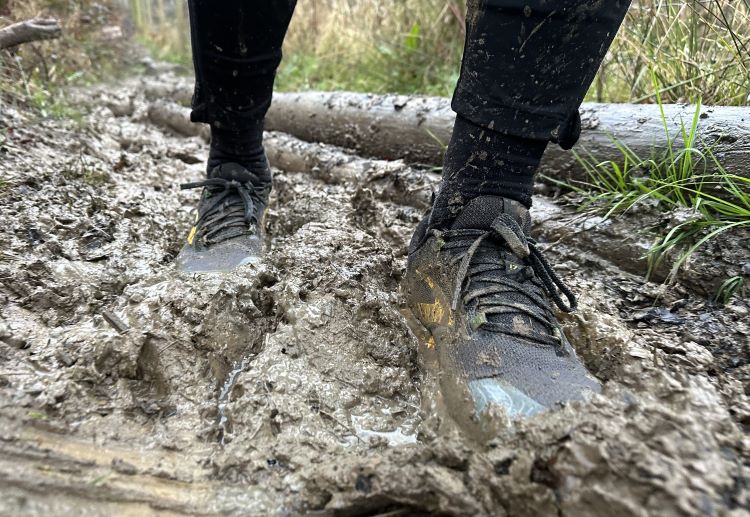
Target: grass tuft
(729,288)
(709,204)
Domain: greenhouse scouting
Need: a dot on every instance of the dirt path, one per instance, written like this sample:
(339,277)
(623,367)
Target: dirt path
(127,388)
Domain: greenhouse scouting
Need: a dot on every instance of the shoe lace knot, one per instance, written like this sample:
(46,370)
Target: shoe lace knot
(495,277)
(228,208)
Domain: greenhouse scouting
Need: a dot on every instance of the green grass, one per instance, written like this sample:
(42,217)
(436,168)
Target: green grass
(45,96)
(386,69)
(729,288)
(79,170)
(717,201)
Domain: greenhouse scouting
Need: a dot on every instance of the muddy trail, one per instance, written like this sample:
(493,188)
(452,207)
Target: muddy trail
(296,386)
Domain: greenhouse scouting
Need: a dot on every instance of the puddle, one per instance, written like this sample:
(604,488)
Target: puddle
(226,390)
(399,436)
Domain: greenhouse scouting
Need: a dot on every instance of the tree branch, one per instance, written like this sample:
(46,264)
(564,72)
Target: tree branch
(29,30)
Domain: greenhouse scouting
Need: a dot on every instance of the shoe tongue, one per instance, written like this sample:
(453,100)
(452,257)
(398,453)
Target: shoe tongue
(480,212)
(233,171)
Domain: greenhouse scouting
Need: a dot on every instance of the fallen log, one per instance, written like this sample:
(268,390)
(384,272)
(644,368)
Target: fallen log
(179,91)
(26,31)
(612,240)
(390,180)
(169,114)
(417,129)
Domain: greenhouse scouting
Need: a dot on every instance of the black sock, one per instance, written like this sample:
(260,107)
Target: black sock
(243,147)
(481,162)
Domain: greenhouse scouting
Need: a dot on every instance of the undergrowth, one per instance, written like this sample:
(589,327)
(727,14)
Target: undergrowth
(34,76)
(686,177)
(92,48)
(698,49)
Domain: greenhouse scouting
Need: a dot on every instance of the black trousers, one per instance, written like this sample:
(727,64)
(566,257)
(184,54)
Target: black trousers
(527,63)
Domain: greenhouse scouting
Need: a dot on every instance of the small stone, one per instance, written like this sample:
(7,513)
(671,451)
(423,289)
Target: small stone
(65,358)
(123,467)
(739,310)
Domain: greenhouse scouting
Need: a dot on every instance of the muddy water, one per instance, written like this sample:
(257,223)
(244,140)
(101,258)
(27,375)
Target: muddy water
(296,386)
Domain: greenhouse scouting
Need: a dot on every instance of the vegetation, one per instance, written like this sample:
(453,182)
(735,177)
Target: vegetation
(729,288)
(712,201)
(35,74)
(388,46)
(162,27)
(698,49)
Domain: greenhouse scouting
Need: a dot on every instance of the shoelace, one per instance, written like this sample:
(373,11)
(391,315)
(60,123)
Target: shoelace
(233,204)
(490,299)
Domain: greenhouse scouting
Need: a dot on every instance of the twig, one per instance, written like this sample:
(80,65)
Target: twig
(116,323)
(460,18)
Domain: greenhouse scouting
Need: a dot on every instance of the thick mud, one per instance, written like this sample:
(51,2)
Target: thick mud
(296,386)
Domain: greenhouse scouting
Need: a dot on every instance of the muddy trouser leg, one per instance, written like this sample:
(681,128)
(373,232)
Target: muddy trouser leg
(236,51)
(527,66)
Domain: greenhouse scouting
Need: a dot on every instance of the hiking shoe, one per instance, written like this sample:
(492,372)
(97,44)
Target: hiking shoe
(228,229)
(482,290)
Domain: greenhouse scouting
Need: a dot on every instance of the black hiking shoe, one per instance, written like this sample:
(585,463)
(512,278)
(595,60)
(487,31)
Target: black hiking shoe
(482,290)
(228,230)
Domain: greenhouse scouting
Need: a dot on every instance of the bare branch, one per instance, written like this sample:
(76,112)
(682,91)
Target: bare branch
(29,30)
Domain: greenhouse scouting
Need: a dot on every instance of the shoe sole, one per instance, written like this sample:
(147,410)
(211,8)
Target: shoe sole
(190,267)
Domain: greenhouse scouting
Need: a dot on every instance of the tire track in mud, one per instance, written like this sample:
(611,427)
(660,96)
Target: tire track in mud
(331,413)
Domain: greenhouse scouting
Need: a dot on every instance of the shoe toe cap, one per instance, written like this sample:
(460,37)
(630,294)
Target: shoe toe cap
(515,404)
(220,258)
(520,378)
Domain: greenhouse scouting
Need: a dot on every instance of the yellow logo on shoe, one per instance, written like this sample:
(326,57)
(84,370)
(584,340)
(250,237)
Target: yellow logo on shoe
(191,235)
(436,311)
(431,312)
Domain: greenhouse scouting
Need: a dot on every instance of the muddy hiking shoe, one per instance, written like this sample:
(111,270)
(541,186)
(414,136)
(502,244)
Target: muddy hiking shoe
(483,292)
(228,228)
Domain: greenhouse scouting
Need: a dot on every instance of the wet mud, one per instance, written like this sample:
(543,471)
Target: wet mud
(297,386)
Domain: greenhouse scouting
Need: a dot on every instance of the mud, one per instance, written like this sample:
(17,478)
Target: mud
(297,386)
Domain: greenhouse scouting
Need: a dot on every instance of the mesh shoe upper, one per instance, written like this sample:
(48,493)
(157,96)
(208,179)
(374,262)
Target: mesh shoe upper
(228,229)
(483,290)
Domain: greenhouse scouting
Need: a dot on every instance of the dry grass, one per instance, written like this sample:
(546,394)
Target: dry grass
(697,49)
(391,45)
(163,27)
(35,73)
